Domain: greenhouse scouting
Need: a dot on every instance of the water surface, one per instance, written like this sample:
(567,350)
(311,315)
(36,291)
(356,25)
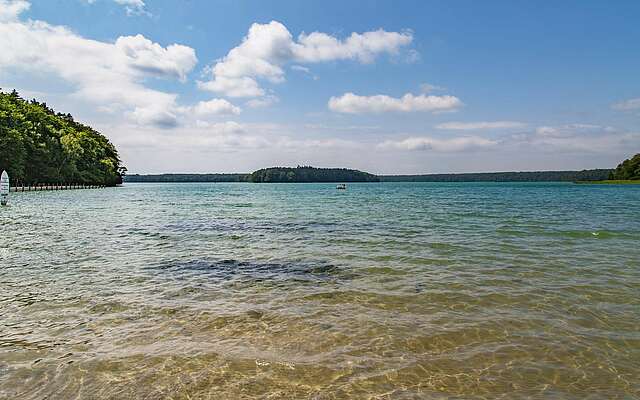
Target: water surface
(278,291)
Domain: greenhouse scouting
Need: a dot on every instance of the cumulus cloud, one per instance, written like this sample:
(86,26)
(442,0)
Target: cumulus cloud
(627,105)
(364,47)
(214,107)
(173,61)
(467,126)
(268,47)
(351,103)
(11,9)
(457,144)
(111,75)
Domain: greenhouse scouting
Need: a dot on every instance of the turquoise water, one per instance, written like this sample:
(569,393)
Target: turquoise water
(296,291)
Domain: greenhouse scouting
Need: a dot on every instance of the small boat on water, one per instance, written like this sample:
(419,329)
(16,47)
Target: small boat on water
(341,186)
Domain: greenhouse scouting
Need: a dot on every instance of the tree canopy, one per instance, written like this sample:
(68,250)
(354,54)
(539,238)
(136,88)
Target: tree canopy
(629,169)
(38,145)
(311,174)
(528,176)
(188,178)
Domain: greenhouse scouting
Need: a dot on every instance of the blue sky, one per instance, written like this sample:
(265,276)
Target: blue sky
(384,86)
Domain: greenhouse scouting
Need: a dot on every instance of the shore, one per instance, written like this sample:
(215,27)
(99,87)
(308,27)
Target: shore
(609,182)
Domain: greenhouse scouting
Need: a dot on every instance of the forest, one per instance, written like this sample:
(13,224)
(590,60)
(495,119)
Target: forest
(39,145)
(627,170)
(311,174)
(303,174)
(535,176)
(188,178)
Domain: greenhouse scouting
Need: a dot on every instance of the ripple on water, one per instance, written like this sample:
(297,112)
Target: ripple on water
(388,291)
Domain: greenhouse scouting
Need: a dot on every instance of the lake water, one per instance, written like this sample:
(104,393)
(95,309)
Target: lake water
(301,291)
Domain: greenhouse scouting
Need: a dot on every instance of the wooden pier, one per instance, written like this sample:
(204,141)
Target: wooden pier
(38,188)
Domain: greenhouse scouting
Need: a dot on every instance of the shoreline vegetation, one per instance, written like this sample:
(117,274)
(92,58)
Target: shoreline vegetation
(335,175)
(40,147)
(610,182)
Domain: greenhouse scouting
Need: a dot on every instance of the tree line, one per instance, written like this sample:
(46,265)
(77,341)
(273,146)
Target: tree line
(629,169)
(311,174)
(41,146)
(188,178)
(534,176)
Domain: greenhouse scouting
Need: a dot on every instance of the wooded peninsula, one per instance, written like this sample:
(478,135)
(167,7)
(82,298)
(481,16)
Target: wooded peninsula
(39,145)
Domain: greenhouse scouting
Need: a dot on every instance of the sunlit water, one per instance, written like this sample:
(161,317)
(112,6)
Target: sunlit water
(382,291)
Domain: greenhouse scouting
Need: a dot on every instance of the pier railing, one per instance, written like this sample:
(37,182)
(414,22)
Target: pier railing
(37,188)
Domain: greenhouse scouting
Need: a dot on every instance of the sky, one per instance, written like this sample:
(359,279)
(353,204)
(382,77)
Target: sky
(389,87)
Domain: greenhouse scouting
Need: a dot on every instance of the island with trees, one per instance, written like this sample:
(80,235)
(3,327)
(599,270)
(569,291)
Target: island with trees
(306,174)
(41,146)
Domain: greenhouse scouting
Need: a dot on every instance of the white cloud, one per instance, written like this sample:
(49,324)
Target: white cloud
(203,136)
(364,47)
(467,126)
(300,68)
(11,9)
(263,101)
(353,104)
(227,127)
(572,139)
(627,105)
(110,75)
(267,47)
(305,71)
(173,61)
(233,87)
(295,144)
(458,144)
(133,7)
(569,130)
(214,107)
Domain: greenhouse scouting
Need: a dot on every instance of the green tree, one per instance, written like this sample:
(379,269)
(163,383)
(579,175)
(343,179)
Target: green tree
(38,145)
(628,169)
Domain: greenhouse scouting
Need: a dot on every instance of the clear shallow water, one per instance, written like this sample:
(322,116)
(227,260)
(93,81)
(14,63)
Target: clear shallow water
(383,291)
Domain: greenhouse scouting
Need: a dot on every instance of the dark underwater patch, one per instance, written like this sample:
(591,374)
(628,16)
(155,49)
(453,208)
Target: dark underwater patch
(231,269)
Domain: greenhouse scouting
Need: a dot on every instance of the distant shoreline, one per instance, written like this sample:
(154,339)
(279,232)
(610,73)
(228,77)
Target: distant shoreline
(584,176)
(610,182)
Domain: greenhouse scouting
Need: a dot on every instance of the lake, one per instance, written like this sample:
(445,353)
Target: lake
(270,291)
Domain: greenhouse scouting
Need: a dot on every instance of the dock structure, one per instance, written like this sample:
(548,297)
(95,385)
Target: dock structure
(38,188)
